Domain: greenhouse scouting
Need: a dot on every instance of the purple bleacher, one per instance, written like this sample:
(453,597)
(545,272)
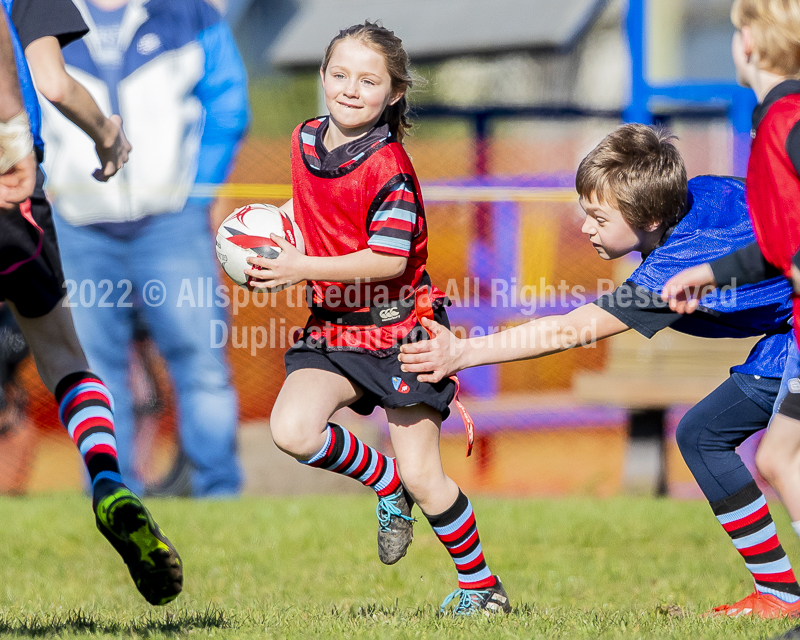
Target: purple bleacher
(546,418)
(545,181)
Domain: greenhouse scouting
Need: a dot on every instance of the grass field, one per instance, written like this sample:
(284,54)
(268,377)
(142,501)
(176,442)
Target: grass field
(293,568)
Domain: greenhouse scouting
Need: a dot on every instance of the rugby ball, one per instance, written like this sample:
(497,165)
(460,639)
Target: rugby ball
(246,232)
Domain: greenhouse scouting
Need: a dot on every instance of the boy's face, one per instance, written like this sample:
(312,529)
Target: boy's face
(610,235)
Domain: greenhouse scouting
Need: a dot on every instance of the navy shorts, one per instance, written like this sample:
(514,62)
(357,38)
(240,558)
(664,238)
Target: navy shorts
(380,378)
(30,263)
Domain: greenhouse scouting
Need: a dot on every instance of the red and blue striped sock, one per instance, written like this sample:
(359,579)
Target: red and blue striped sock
(345,454)
(746,517)
(457,531)
(85,408)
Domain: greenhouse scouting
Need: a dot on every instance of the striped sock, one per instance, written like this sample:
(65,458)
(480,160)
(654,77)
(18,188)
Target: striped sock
(746,517)
(457,531)
(86,409)
(345,454)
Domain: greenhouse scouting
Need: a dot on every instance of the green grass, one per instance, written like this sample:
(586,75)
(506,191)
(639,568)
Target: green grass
(308,567)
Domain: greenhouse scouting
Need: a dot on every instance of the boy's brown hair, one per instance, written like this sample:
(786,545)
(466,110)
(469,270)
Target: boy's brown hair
(637,170)
(775,25)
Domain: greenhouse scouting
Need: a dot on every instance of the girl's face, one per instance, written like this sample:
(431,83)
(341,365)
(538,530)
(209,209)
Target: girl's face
(357,87)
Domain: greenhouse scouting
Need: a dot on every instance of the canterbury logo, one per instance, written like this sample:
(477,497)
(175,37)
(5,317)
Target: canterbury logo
(390,314)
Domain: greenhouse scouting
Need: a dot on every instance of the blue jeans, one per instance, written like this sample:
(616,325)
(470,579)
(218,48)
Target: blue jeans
(175,250)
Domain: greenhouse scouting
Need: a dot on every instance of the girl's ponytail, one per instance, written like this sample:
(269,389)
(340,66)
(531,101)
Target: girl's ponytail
(396,116)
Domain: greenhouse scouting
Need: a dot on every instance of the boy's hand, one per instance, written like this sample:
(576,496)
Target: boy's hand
(17,184)
(433,359)
(285,270)
(685,289)
(112,149)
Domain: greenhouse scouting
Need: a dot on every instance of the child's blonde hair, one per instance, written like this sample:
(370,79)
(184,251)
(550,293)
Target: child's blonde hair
(775,25)
(375,36)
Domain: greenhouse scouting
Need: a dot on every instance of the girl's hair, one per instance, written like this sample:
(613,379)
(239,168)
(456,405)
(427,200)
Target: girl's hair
(375,36)
(775,25)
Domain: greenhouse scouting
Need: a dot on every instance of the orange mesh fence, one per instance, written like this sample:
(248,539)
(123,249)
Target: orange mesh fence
(536,434)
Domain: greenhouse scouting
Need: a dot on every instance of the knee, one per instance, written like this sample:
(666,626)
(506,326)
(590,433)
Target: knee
(417,479)
(686,436)
(768,463)
(289,435)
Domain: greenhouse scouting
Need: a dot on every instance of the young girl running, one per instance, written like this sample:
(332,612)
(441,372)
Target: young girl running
(358,204)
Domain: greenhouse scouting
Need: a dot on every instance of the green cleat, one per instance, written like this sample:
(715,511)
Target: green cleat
(154,565)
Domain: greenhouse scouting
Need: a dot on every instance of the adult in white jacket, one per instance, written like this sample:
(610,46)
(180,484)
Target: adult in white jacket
(171,69)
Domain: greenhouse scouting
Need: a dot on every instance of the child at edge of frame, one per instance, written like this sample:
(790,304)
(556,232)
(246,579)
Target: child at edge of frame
(766,54)
(357,202)
(635,195)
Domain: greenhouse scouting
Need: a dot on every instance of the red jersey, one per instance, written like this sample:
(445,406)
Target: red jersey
(773,184)
(371,200)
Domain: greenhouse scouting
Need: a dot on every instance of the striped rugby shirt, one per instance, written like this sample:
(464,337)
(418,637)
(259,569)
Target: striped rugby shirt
(362,195)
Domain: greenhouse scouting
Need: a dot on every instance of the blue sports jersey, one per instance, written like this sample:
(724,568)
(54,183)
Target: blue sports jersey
(25,82)
(716,224)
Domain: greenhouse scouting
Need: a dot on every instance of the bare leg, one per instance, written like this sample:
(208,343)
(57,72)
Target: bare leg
(778,460)
(415,437)
(308,398)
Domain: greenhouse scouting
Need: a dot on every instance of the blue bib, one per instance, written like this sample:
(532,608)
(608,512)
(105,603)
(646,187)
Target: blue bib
(717,224)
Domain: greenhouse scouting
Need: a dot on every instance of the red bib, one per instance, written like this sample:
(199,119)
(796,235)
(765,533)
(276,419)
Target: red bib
(773,189)
(333,210)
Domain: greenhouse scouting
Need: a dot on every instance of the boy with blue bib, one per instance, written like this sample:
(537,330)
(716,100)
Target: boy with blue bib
(636,197)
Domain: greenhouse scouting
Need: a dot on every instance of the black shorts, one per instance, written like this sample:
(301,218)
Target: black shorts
(381,380)
(33,282)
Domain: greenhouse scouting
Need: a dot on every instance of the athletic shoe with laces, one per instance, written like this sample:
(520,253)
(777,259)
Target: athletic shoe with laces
(761,605)
(395,525)
(487,601)
(153,562)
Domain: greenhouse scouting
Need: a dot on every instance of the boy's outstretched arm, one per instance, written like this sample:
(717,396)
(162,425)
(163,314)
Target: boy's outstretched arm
(445,354)
(73,100)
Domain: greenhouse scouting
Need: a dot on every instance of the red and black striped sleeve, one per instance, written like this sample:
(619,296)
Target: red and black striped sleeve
(396,219)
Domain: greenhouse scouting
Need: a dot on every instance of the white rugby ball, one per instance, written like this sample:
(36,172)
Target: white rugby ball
(245,233)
